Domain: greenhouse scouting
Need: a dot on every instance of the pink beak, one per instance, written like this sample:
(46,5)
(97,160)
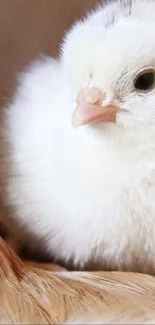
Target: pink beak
(89,108)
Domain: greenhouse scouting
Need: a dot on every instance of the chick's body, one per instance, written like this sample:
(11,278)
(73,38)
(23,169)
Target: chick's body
(88,193)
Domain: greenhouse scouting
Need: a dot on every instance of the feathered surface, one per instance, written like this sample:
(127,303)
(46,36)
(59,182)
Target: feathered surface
(29,294)
(86,195)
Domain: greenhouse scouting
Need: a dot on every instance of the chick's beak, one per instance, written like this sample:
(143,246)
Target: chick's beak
(90,109)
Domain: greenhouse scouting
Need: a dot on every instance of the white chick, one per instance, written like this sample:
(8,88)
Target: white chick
(82,137)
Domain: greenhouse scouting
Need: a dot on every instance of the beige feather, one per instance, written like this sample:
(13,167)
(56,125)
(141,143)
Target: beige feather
(29,293)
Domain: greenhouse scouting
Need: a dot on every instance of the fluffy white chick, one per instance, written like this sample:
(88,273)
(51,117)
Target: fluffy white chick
(82,136)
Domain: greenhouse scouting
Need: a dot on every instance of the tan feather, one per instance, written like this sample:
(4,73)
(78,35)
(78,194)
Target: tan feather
(29,293)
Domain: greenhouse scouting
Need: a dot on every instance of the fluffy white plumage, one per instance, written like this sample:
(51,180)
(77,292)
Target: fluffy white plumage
(88,193)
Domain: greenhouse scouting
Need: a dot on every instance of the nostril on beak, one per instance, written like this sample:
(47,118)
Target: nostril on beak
(91,95)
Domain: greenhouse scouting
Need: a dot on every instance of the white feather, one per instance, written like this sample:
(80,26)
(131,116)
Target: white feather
(89,193)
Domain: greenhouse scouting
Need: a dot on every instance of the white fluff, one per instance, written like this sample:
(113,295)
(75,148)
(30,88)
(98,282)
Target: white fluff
(89,193)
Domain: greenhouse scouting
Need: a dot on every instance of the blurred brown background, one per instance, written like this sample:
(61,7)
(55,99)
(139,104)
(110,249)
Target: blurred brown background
(30,27)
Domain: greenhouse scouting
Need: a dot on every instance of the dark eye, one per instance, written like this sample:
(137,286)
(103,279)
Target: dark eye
(145,80)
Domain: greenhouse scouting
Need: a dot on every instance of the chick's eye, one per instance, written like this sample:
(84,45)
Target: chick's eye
(145,81)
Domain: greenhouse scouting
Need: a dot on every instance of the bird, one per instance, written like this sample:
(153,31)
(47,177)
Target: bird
(32,293)
(81,135)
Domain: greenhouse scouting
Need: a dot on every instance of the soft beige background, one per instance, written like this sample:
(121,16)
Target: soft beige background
(30,27)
